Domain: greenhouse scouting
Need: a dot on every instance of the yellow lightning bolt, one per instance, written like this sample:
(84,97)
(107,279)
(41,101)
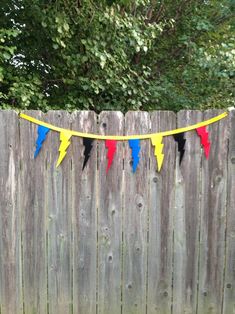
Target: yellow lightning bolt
(64,138)
(157,143)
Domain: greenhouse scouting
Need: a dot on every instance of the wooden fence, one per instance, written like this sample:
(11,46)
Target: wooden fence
(83,242)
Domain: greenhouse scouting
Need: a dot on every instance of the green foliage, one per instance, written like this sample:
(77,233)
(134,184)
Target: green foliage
(117,55)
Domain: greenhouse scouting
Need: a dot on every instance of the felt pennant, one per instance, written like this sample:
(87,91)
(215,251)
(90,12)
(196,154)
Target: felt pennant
(111,146)
(157,143)
(135,149)
(64,138)
(42,133)
(179,138)
(202,132)
(88,144)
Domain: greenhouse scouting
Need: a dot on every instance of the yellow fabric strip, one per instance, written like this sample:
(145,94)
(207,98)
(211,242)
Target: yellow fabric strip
(124,137)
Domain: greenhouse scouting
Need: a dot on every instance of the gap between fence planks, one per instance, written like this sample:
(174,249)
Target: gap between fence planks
(76,241)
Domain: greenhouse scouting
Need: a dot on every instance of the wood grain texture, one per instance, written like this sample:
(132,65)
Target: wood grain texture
(10,233)
(212,244)
(59,192)
(84,242)
(84,213)
(33,213)
(110,188)
(229,287)
(135,218)
(187,218)
(161,207)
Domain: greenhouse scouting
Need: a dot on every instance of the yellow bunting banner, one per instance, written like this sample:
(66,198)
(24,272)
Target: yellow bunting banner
(124,137)
(134,140)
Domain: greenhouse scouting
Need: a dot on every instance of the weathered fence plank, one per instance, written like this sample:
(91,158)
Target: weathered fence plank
(84,206)
(212,241)
(161,219)
(110,187)
(187,218)
(59,189)
(33,223)
(136,205)
(229,287)
(10,234)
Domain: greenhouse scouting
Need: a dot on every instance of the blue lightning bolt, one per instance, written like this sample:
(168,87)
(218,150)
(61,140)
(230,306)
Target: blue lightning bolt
(42,133)
(135,149)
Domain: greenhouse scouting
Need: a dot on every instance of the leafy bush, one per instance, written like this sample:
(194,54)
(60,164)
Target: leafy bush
(116,55)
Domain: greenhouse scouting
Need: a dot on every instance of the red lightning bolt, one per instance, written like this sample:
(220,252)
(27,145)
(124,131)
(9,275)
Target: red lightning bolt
(111,146)
(202,132)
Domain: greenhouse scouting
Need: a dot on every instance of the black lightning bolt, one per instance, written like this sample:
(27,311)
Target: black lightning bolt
(179,138)
(87,142)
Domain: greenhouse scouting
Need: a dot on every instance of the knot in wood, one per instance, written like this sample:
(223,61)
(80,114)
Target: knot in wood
(129,286)
(218,179)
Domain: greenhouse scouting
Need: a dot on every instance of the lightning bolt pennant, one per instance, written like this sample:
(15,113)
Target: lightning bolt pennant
(202,132)
(179,138)
(111,146)
(88,144)
(157,143)
(135,147)
(42,133)
(64,138)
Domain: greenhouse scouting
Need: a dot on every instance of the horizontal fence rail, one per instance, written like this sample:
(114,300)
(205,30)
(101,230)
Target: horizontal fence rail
(76,241)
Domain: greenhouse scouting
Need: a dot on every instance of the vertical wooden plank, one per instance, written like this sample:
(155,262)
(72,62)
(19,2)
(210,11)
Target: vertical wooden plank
(187,218)
(59,189)
(84,199)
(135,218)
(229,287)
(161,210)
(10,234)
(110,187)
(212,246)
(32,193)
